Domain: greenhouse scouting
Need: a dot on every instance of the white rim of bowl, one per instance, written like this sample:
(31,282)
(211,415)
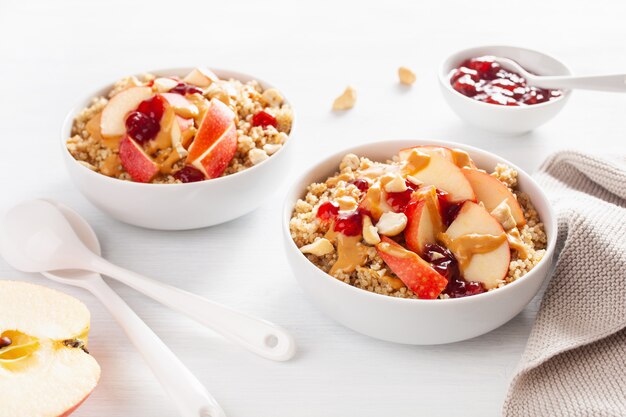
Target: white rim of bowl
(288,210)
(444,78)
(71,115)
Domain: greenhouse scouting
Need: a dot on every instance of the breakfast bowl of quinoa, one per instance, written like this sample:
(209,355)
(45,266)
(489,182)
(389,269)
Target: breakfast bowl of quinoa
(419,242)
(179,148)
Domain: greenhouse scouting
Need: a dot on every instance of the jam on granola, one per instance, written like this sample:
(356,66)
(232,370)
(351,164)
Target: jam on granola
(168,130)
(485,80)
(429,224)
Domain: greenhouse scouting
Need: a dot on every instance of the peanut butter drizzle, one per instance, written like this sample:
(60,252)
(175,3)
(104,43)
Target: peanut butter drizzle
(93,128)
(394,283)
(395,251)
(375,201)
(201,104)
(350,252)
(112,166)
(461,158)
(415,162)
(163,139)
(516,243)
(466,246)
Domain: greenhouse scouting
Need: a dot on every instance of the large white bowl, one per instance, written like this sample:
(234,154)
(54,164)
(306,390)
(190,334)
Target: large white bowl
(419,322)
(179,206)
(508,120)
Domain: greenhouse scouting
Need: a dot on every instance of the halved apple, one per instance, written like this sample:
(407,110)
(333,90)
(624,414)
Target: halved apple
(45,369)
(136,162)
(215,143)
(113,119)
(444,175)
(458,157)
(201,77)
(424,219)
(480,245)
(416,273)
(491,192)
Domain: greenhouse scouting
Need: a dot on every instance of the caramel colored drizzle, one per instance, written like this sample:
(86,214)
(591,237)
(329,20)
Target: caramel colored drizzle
(466,246)
(415,162)
(516,243)
(350,252)
(112,166)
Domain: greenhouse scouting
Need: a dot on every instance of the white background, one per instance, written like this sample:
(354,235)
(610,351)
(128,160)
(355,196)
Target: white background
(52,53)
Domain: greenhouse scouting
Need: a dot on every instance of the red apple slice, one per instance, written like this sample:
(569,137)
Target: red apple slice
(44,371)
(473,223)
(201,77)
(136,162)
(113,120)
(491,192)
(446,176)
(416,273)
(458,157)
(424,219)
(215,143)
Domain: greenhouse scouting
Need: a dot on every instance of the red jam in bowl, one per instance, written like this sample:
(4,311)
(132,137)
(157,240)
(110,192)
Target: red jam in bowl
(483,79)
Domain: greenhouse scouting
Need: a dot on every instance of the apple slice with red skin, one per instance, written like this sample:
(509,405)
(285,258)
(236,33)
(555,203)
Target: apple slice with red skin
(491,192)
(113,119)
(446,176)
(215,143)
(424,219)
(458,157)
(136,162)
(488,268)
(201,77)
(416,273)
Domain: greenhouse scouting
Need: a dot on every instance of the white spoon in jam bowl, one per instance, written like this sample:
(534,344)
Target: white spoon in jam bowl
(36,237)
(614,82)
(188,394)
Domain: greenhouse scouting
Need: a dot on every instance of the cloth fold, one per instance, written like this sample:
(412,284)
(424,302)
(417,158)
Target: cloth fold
(574,363)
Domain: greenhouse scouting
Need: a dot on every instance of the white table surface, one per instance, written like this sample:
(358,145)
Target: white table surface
(53,53)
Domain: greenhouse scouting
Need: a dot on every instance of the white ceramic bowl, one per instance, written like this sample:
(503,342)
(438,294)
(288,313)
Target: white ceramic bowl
(508,120)
(179,206)
(419,322)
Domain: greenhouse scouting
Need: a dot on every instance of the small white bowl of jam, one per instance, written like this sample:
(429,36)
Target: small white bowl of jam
(487,96)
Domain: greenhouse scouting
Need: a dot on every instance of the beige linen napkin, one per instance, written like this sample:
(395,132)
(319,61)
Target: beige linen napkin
(575,360)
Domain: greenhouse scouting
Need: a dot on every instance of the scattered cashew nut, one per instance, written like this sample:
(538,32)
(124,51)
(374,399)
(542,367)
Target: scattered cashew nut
(346,100)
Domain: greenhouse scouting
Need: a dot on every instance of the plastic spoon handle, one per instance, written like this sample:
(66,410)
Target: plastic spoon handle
(257,335)
(615,82)
(189,395)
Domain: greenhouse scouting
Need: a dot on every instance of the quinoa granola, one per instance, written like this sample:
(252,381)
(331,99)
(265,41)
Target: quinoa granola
(134,143)
(343,204)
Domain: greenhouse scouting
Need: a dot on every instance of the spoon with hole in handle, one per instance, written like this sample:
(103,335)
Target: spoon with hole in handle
(615,82)
(189,396)
(36,237)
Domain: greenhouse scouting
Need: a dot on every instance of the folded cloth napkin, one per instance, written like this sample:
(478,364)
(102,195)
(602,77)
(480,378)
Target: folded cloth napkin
(575,360)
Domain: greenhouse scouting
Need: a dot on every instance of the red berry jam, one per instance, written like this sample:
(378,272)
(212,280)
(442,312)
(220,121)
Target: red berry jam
(184,88)
(144,123)
(350,224)
(327,211)
(485,80)
(263,119)
(361,184)
(447,209)
(189,174)
(140,127)
(444,262)
(400,201)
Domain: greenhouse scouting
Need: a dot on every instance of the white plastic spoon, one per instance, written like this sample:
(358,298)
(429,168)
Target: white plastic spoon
(189,396)
(615,82)
(35,237)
